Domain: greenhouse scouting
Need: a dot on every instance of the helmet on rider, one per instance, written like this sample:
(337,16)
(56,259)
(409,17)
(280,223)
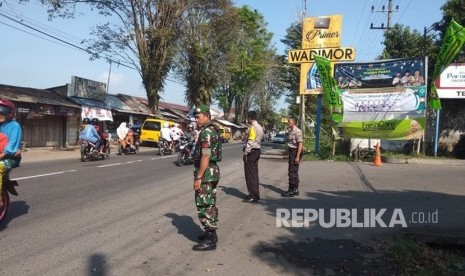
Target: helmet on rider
(7,108)
(165,124)
(191,125)
(86,121)
(95,121)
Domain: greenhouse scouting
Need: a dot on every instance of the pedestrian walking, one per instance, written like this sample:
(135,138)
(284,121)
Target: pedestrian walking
(295,141)
(251,156)
(206,177)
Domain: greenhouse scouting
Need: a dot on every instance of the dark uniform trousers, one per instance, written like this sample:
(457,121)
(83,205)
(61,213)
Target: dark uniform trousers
(251,173)
(293,170)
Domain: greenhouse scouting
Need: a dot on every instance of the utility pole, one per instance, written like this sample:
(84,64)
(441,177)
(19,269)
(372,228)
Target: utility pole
(389,16)
(302,97)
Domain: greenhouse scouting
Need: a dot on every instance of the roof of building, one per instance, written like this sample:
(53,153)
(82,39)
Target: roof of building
(115,103)
(137,104)
(228,123)
(172,106)
(35,96)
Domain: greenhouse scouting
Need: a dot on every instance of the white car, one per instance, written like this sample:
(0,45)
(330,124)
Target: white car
(279,138)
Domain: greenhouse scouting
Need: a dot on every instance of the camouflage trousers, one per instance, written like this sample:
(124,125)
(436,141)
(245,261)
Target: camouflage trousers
(205,200)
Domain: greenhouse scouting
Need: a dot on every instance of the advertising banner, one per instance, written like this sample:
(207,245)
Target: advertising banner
(451,83)
(383,100)
(322,32)
(85,88)
(321,36)
(96,112)
(330,88)
(451,45)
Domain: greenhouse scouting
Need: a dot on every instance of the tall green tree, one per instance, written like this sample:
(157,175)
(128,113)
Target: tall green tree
(208,32)
(141,33)
(254,46)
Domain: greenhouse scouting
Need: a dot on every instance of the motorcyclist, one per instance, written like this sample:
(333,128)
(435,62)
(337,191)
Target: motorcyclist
(125,136)
(193,134)
(102,135)
(10,155)
(89,133)
(166,134)
(176,133)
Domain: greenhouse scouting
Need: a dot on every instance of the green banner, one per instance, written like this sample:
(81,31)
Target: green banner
(450,47)
(331,91)
(404,129)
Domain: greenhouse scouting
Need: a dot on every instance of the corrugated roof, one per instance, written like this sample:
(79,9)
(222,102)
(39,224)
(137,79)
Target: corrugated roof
(115,103)
(33,95)
(88,102)
(228,123)
(136,104)
(173,106)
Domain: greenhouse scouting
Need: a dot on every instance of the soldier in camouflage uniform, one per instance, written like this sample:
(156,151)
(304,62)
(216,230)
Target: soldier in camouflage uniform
(206,177)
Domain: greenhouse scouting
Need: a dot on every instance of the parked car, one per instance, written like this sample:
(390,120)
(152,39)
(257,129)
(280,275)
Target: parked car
(279,138)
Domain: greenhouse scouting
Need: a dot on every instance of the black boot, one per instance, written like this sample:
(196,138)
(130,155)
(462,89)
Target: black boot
(203,236)
(291,193)
(208,243)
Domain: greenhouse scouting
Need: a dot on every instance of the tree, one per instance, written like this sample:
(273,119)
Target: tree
(208,33)
(452,9)
(141,33)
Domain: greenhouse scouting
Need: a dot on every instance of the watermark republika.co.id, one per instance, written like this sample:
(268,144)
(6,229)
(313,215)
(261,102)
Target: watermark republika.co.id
(353,218)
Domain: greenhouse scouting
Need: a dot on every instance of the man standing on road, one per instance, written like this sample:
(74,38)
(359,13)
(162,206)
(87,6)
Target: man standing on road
(206,177)
(295,153)
(251,157)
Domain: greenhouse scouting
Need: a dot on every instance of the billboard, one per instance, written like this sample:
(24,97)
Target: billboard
(322,32)
(451,82)
(85,88)
(383,99)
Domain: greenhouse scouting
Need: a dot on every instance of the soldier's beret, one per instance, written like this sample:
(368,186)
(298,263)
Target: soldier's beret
(202,109)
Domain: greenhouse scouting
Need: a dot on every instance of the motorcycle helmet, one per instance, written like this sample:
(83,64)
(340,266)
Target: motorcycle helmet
(165,124)
(86,121)
(7,108)
(191,125)
(95,121)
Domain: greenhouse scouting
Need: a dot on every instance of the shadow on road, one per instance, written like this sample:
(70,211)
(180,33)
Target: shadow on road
(15,210)
(186,226)
(97,265)
(327,246)
(233,191)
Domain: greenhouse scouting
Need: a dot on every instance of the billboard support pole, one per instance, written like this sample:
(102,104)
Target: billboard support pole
(436,133)
(318,124)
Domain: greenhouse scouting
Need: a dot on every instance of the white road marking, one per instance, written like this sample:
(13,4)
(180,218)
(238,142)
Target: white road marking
(41,175)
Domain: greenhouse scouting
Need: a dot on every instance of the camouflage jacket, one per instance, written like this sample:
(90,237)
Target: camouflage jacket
(207,143)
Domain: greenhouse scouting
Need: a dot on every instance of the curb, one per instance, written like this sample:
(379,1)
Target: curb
(423,161)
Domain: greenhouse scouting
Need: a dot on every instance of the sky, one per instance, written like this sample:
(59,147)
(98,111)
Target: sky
(30,59)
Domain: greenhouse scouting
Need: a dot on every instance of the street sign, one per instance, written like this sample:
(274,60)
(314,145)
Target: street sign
(333,54)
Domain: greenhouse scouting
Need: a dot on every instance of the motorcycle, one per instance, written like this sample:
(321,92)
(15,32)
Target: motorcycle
(89,152)
(163,147)
(185,151)
(8,187)
(129,148)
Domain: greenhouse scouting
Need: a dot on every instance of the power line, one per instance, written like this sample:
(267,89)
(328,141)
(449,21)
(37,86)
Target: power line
(389,15)
(61,40)
(65,43)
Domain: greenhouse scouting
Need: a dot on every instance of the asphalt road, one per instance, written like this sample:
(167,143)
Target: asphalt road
(134,215)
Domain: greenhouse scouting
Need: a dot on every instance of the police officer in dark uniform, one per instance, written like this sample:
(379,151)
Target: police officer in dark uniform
(295,153)
(206,177)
